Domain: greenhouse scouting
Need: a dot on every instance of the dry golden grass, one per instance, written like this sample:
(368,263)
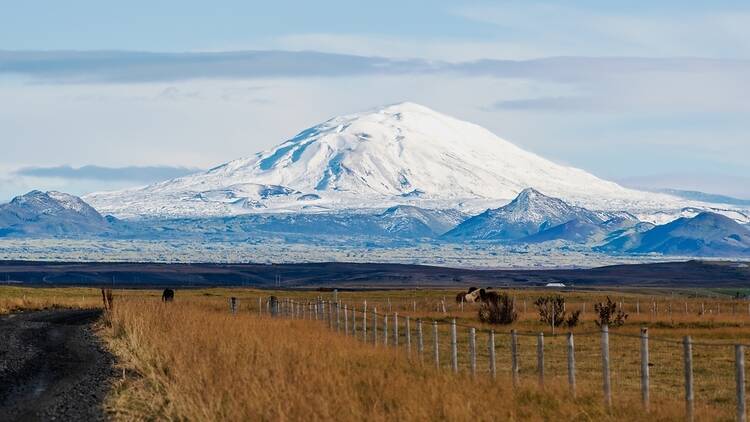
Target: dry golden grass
(192,360)
(13,299)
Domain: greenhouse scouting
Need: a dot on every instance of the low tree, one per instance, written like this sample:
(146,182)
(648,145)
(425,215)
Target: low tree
(609,314)
(551,310)
(497,308)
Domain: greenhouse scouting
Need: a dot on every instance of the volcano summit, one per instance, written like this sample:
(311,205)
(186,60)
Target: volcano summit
(403,154)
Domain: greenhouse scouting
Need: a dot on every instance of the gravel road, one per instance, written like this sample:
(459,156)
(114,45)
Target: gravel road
(52,367)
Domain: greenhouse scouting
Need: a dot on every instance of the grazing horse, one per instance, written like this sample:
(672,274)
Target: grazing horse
(167,295)
(470,297)
(474,295)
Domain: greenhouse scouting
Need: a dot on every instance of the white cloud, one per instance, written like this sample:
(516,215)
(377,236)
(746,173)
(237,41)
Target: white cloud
(450,50)
(558,30)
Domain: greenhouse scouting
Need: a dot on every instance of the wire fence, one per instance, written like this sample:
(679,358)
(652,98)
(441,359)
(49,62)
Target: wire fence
(707,377)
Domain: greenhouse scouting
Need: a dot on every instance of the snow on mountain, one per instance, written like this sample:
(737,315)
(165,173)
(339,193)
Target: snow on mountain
(530,213)
(707,234)
(403,154)
(49,214)
(411,219)
(575,231)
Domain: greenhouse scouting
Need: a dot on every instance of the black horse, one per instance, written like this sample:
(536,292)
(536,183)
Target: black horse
(167,295)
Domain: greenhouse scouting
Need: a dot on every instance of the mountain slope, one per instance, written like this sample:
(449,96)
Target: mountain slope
(404,154)
(707,234)
(49,214)
(530,213)
(576,231)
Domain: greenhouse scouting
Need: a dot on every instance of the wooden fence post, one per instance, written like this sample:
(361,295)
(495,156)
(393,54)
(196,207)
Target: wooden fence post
(739,359)
(385,330)
(435,345)
(514,356)
(420,339)
(346,320)
(454,346)
(605,368)
(375,326)
(233,305)
(395,329)
(260,306)
(338,317)
(540,358)
(473,350)
(571,365)
(408,337)
(644,369)
(688,353)
(354,321)
(491,347)
(364,323)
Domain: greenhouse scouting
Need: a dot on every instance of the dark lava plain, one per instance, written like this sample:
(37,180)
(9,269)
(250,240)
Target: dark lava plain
(689,274)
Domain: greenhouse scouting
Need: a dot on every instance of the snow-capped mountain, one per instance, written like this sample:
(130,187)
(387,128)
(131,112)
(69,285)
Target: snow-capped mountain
(49,214)
(403,154)
(530,213)
(707,234)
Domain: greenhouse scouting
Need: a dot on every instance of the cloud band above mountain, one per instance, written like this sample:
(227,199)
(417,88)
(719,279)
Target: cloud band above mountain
(136,174)
(134,66)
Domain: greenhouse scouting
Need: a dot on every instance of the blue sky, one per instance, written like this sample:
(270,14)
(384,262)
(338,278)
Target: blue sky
(649,93)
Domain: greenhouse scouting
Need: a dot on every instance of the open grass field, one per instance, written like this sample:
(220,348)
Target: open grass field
(193,360)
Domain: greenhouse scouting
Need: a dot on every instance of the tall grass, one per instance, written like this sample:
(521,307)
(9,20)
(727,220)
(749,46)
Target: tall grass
(192,360)
(13,299)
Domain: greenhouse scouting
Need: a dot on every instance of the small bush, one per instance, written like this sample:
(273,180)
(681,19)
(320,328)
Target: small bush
(573,319)
(552,308)
(497,308)
(608,314)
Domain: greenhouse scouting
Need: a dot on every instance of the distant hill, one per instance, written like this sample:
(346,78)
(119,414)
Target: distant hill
(706,197)
(47,214)
(707,234)
(576,231)
(529,213)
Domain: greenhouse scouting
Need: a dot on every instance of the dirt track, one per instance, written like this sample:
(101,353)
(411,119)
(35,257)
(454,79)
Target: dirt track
(52,367)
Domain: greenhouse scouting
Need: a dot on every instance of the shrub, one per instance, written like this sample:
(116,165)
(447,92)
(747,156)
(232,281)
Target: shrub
(573,319)
(552,308)
(498,308)
(609,314)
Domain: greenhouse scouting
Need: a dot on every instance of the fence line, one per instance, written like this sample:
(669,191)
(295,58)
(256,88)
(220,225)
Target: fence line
(331,312)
